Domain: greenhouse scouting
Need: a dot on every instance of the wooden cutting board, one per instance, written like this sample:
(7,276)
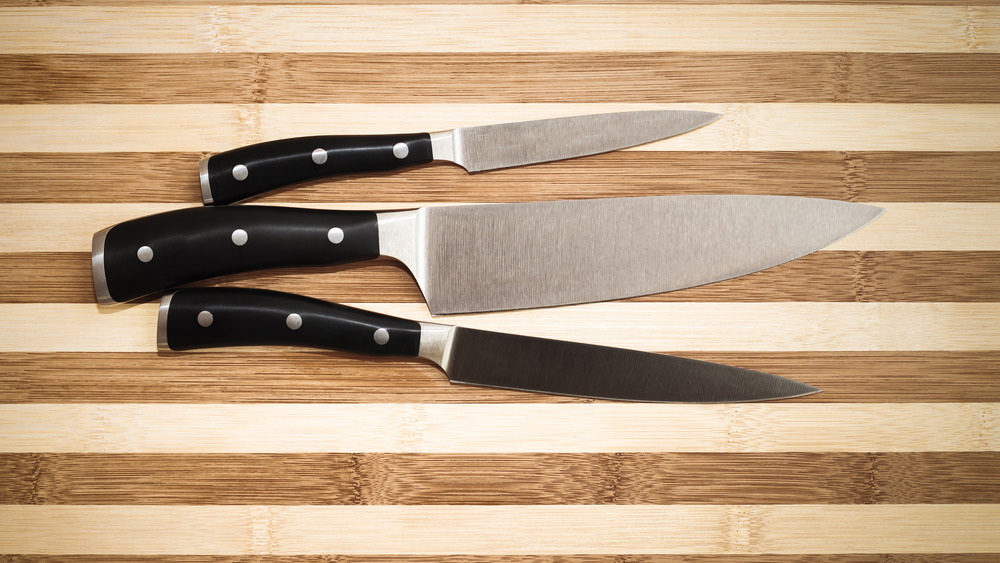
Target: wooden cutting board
(110,451)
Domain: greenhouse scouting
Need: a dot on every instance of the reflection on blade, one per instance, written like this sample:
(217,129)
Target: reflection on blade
(567,368)
(515,144)
(524,255)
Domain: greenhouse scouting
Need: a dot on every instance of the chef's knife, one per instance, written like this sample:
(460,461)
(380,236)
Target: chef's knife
(485,257)
(243,172)
(211,317)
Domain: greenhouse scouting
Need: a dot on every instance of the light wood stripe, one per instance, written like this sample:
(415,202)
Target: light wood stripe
(523,558)
(55,227)
(486,28)
(745,127)
(567,3)
(520,428)
(776,327)
(966,177)
(501,77)
(837,276)
(112,452)
(275,376)
(501,479)
(473,529)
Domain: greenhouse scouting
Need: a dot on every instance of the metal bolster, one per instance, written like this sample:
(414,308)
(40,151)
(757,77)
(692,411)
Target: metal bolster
(447,145)
(401,236)
(161,322)
(206,187)
(435,343)
(97,264)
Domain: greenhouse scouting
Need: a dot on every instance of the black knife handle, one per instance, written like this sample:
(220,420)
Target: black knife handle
(247,171)
(157,252)
(215,317)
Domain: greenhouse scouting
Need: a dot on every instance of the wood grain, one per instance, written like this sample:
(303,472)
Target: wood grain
(963,177)
(527,558)
(777,327)
(501,479)
(275,376)
(290,456)
(903,227)
(837,276)
(523,28)
(568,3)
(548,529)
(658,77)
(750,126)
(507,428)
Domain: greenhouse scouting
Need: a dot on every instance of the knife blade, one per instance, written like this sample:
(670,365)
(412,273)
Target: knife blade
(215,317)
(476,258)
(254,169)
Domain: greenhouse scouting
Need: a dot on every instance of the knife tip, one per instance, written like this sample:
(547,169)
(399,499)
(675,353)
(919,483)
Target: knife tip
(807,390)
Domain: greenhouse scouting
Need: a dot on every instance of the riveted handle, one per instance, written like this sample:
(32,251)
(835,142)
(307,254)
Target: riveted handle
(215,317)
(158,252)
(240,173)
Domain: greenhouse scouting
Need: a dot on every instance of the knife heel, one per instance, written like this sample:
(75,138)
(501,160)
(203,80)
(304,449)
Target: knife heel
(218,317)
(247,171)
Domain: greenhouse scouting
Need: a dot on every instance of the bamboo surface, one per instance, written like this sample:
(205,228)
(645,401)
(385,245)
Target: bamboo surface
(111,451)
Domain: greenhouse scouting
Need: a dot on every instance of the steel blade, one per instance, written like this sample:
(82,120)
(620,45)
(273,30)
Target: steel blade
(526,363)
(525,255)
(528,142)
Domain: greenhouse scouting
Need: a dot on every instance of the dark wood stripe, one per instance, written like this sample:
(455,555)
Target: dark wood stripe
(854,176)
(830,276)
(129,3)
(569,558)
(501,479)
(501,77)
(298,376)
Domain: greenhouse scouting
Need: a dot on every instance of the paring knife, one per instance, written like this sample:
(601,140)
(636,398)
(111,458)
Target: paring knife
(485,257)
(243,172)
(211,317)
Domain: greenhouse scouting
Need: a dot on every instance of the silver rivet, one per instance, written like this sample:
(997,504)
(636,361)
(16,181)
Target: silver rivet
(319,156)
(400,150)
(336,235)
(381,336)
(293,321)
(145,254)
(205,319)
(240,237)
(240,172)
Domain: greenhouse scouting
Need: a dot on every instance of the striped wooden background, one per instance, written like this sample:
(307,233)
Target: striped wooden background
(112,452)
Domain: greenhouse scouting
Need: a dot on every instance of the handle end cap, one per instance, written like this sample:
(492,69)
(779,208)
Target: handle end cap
(97,264)
(162,343)
(206,183)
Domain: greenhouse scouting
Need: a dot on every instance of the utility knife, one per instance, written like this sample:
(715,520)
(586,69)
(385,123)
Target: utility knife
(213,317)
(472,258)
(254,169)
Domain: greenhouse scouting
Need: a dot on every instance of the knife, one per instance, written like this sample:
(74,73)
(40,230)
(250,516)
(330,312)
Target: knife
(213,317)
(243,172)
(485,257)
